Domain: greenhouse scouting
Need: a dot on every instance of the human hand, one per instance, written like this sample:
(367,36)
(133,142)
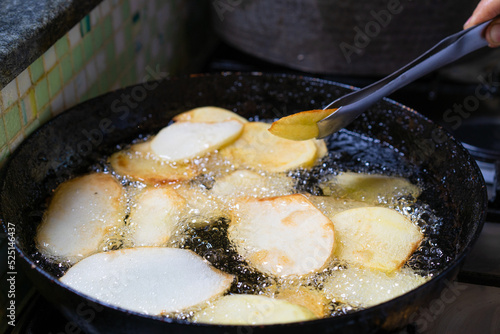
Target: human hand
(486,10)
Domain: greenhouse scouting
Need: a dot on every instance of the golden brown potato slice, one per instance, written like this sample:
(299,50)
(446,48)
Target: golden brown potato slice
(330,206)
(82,212)
(282,236)
(300,126)
(375,237)
(140,164)
(258,148)
(209,114)
(183,141)
(149,280)
(202,207)
(370,188)
(308,297)
(252,310)
(368,287)
(247,183)
(154,216)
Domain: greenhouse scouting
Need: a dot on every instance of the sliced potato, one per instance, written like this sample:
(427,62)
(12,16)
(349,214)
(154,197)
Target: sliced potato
(246,183)
(300,126)
(209,114)
(375,237)
(150,280)
(252,310)
(203,207)
(258,148)
(322,149)
(370,188)
(367,287)
(187,140)
(330,206)
(140,164)
(82,212)
(154,216)
(282,236)
(311,298)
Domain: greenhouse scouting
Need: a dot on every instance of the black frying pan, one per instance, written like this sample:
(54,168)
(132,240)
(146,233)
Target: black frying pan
(410,144)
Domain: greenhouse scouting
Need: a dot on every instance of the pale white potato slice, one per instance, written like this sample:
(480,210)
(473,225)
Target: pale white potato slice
(209,114)
(375,237)
(149,280)
(154,216)
(370,187)
(140,164)
(252,310)
(259,149)
(187,140)
(309,297)
(82,212)
(247,183)
(367,287)
(282,236)
(322,149)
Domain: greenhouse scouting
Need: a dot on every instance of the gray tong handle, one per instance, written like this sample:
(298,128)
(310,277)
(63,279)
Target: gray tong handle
(446,51)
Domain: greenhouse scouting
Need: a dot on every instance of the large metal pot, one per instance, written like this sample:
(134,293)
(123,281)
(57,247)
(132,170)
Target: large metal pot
(365,37)
(73,141)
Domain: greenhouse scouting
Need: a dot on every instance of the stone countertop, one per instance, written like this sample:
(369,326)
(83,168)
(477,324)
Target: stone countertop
(29,27)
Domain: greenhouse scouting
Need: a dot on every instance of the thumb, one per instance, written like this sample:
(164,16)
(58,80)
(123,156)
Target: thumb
(492,33)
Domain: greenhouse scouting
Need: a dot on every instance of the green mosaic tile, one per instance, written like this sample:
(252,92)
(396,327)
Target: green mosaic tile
(31,127)
(110,53)
(128,34)
(54,78)
(32,100)
(62,46)
(136,17)
(88,49)
(125,9)
(24,111)
(66,69)
(77,56)
(36,70)
(3,134)
(85,25)
(93,91)
(42,94)
(107,27)
(12,121)
(97,36)
(44,115)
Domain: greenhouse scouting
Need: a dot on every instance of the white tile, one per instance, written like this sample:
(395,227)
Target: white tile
(117,18)
(74,35)
(16,141)
(100,62)
(105,7)
(119,42)
(26,104)
(80,85)
(9,94)
(23,82)
(136,5)
(91,72)
(69,94)
(57,104)
(49,59)
(95,17)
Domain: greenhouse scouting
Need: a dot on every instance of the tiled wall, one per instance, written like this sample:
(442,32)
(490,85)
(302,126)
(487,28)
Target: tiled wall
(118,44)
(121,42)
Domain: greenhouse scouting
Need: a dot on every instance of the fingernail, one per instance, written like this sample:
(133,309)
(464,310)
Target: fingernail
(494,35)
(467,22)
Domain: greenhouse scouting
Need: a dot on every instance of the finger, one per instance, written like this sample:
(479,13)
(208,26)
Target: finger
(493,33)
(485,10)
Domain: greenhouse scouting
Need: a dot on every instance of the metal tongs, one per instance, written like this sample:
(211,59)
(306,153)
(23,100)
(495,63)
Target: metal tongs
(446,51)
